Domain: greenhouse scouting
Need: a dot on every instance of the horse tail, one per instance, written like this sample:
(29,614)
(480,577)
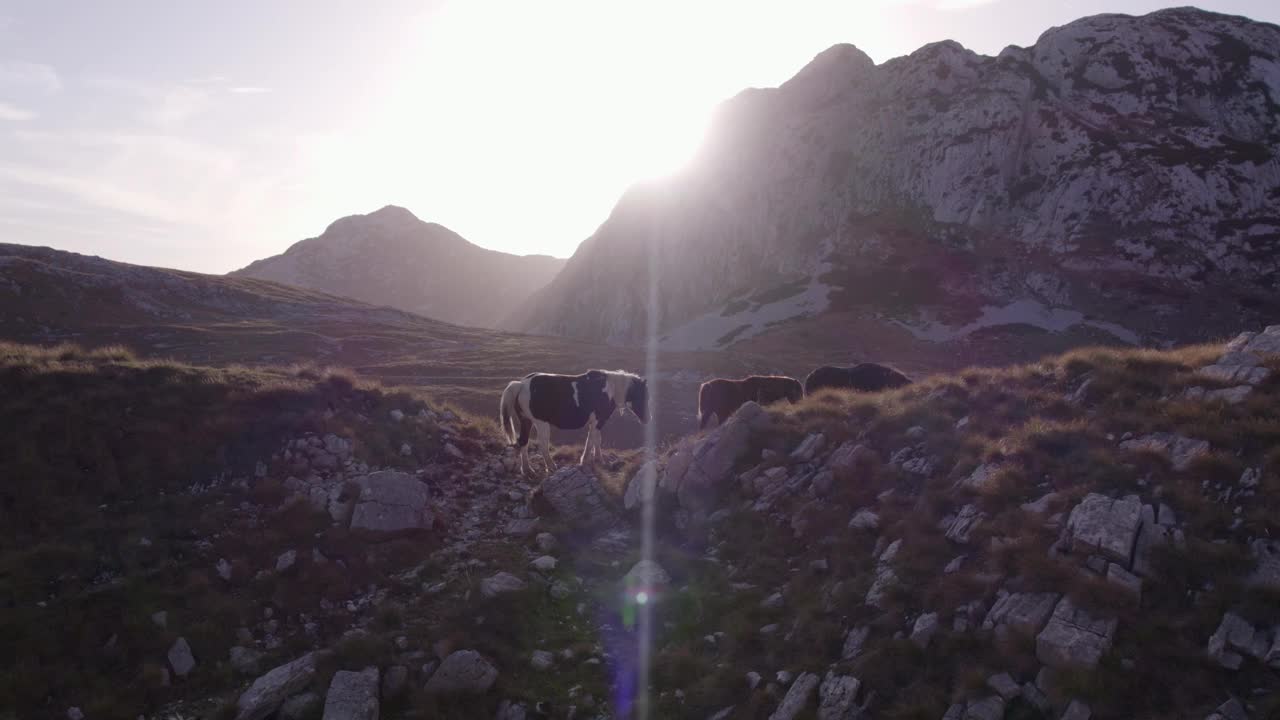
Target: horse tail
(508,408)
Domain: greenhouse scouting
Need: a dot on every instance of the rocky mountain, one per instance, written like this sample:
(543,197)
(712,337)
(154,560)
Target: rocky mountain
(390,257)
(1118,181)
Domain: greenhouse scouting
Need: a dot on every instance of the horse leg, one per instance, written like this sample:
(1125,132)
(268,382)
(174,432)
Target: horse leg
(586,444)
(544,437)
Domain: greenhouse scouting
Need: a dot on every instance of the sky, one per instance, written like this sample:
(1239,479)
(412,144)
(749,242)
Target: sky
(203,136)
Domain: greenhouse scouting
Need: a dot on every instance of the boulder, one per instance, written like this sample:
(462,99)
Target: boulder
(246,661)
(500,584)
(394,681)
(464,672)
(963,523)
(542,660)
(391,502)
(352,695)
(988,708)
(854,641)
(180,658)
(1023,612)
(1180,450)
(837,697)
(700,472)
(1106,526)
(925,627)
(1266,571)
(983,478)
(1077,710)
(809,447)
(864,519)
(797,698)
(574,493)
(1235,637)
(1074,638)
(849,457)
(303,706)
(646,574)
(266,693)
(643,486)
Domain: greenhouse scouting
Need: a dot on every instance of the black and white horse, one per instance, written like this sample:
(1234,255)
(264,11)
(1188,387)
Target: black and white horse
(568,402)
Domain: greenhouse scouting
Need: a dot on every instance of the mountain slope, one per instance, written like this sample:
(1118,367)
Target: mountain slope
(392,258)
(1093,183)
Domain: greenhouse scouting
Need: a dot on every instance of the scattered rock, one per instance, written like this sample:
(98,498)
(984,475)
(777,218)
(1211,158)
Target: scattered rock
(452,451)
(406,449)
(544,564)
(464,672)
(397,415)
(522,527)
(501,583)
(160,619)
(74,713)
(1236,637)
(1122,578)
(180,658)
(352,695)
(508,710)
(224,569)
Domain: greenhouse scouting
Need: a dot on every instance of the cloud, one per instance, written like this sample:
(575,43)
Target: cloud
(248,90)
(9,112)
(29,76)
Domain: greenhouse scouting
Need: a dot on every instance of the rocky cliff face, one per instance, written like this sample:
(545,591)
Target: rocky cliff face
(390,257)
(1098,179)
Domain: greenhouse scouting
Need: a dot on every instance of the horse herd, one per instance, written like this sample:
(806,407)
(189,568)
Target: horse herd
(570,402)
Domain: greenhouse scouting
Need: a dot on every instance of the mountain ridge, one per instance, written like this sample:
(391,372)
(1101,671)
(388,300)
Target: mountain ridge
(391,257)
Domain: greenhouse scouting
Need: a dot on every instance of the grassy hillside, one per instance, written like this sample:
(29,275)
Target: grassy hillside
(125,482)
(790,561)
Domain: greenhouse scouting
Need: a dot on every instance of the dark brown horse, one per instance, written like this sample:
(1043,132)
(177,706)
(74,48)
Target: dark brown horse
(721,397)
(867,377)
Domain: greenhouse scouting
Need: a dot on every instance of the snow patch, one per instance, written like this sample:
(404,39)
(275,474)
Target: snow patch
(1018,312)
(716,330)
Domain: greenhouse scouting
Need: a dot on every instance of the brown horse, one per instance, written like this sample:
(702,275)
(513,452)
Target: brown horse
(867,377)
(721,397)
